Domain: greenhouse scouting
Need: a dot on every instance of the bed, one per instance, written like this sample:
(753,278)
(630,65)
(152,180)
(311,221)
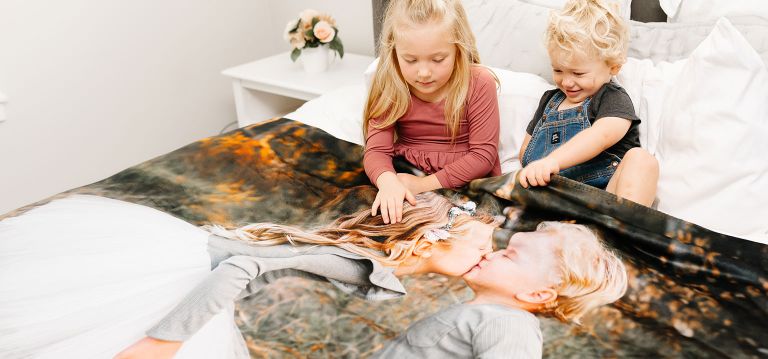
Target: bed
(698,263)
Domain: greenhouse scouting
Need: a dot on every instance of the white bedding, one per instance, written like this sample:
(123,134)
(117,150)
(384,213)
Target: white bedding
(339,112)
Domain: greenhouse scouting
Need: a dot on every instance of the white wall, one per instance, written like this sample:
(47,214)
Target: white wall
(97,86)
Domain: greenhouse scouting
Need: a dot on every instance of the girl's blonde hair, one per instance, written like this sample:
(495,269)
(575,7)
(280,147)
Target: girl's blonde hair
(590,274)
(591,28)
(369,236)
(389,97)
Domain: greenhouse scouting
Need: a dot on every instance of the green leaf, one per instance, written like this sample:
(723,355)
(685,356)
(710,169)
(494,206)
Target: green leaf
(295,54)
(315,20)
(309,34)
(339,46)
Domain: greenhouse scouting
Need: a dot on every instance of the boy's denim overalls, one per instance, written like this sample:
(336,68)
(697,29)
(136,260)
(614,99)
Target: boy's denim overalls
(558,127)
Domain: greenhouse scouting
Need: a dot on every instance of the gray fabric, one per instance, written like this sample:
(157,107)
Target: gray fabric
(241,269)
(470,331)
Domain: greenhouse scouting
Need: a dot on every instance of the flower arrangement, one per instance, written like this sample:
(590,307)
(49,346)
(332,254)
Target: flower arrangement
(313,29)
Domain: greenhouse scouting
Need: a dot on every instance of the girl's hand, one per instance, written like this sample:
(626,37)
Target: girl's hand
(538,172)
(390,198)
(150,348)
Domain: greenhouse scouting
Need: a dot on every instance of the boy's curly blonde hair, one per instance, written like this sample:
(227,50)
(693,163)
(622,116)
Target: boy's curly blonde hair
(590,274)
(591,28)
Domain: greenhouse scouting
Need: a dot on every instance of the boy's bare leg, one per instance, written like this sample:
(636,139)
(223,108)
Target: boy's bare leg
(636,177)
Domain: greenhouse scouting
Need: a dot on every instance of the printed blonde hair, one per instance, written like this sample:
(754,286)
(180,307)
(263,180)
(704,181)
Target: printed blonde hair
(369,236)
(590,274)
(591,28)
(389,97)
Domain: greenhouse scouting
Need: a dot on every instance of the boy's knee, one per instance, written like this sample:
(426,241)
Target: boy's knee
(641,158)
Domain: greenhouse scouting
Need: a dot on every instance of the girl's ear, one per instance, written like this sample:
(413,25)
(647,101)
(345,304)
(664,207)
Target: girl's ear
(423,249)
(538,297)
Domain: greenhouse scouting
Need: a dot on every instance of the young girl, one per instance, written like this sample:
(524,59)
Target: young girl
(586,128)
(431,103)
(86,276)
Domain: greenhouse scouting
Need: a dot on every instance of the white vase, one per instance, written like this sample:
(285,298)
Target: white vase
(315,59)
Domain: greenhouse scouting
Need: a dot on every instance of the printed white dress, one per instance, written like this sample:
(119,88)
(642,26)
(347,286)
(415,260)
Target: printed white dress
(86,276)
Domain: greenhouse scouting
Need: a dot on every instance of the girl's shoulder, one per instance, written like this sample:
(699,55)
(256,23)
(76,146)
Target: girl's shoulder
(482,74)
(483,82)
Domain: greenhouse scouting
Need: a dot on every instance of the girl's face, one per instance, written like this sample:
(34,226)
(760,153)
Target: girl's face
(582,76)
(464,252)
(426,57)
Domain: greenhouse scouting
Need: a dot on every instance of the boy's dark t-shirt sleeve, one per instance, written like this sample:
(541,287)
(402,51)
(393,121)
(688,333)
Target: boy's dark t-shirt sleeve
(612,101)
(540,110)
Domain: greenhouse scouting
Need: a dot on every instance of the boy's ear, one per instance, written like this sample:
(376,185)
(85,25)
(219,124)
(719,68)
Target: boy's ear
(538,297)
(615,69)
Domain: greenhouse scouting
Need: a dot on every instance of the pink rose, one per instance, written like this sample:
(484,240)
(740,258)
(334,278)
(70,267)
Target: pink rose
(324,32)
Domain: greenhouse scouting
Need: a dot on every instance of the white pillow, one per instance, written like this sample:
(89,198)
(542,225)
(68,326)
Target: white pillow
(712,144)
(519,95)
(660,41)
(339,112)
(710,10)
(647,85)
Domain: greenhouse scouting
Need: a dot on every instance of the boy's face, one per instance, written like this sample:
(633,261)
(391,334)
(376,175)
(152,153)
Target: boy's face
(426,58)
(580,77)
(528,264)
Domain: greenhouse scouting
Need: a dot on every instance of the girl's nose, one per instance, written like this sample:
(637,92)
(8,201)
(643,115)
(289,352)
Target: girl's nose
(423,73)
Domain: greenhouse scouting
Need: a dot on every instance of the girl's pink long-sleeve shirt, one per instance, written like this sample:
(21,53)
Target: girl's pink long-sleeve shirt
(424,141)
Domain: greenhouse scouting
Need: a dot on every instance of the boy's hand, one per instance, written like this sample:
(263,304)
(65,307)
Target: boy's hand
(390,198)
(150,348)
(538,172)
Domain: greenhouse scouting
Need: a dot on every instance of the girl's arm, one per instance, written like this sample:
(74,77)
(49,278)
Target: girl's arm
(379,150)
(587,144)
(377,160)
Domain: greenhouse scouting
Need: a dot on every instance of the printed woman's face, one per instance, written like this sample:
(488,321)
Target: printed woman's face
(426,57)
(464,252)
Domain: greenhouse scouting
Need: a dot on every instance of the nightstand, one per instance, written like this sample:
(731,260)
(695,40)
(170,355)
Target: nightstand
(275,86)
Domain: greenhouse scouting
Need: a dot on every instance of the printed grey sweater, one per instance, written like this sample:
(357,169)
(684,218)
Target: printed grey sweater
(470,331)
(241,269)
